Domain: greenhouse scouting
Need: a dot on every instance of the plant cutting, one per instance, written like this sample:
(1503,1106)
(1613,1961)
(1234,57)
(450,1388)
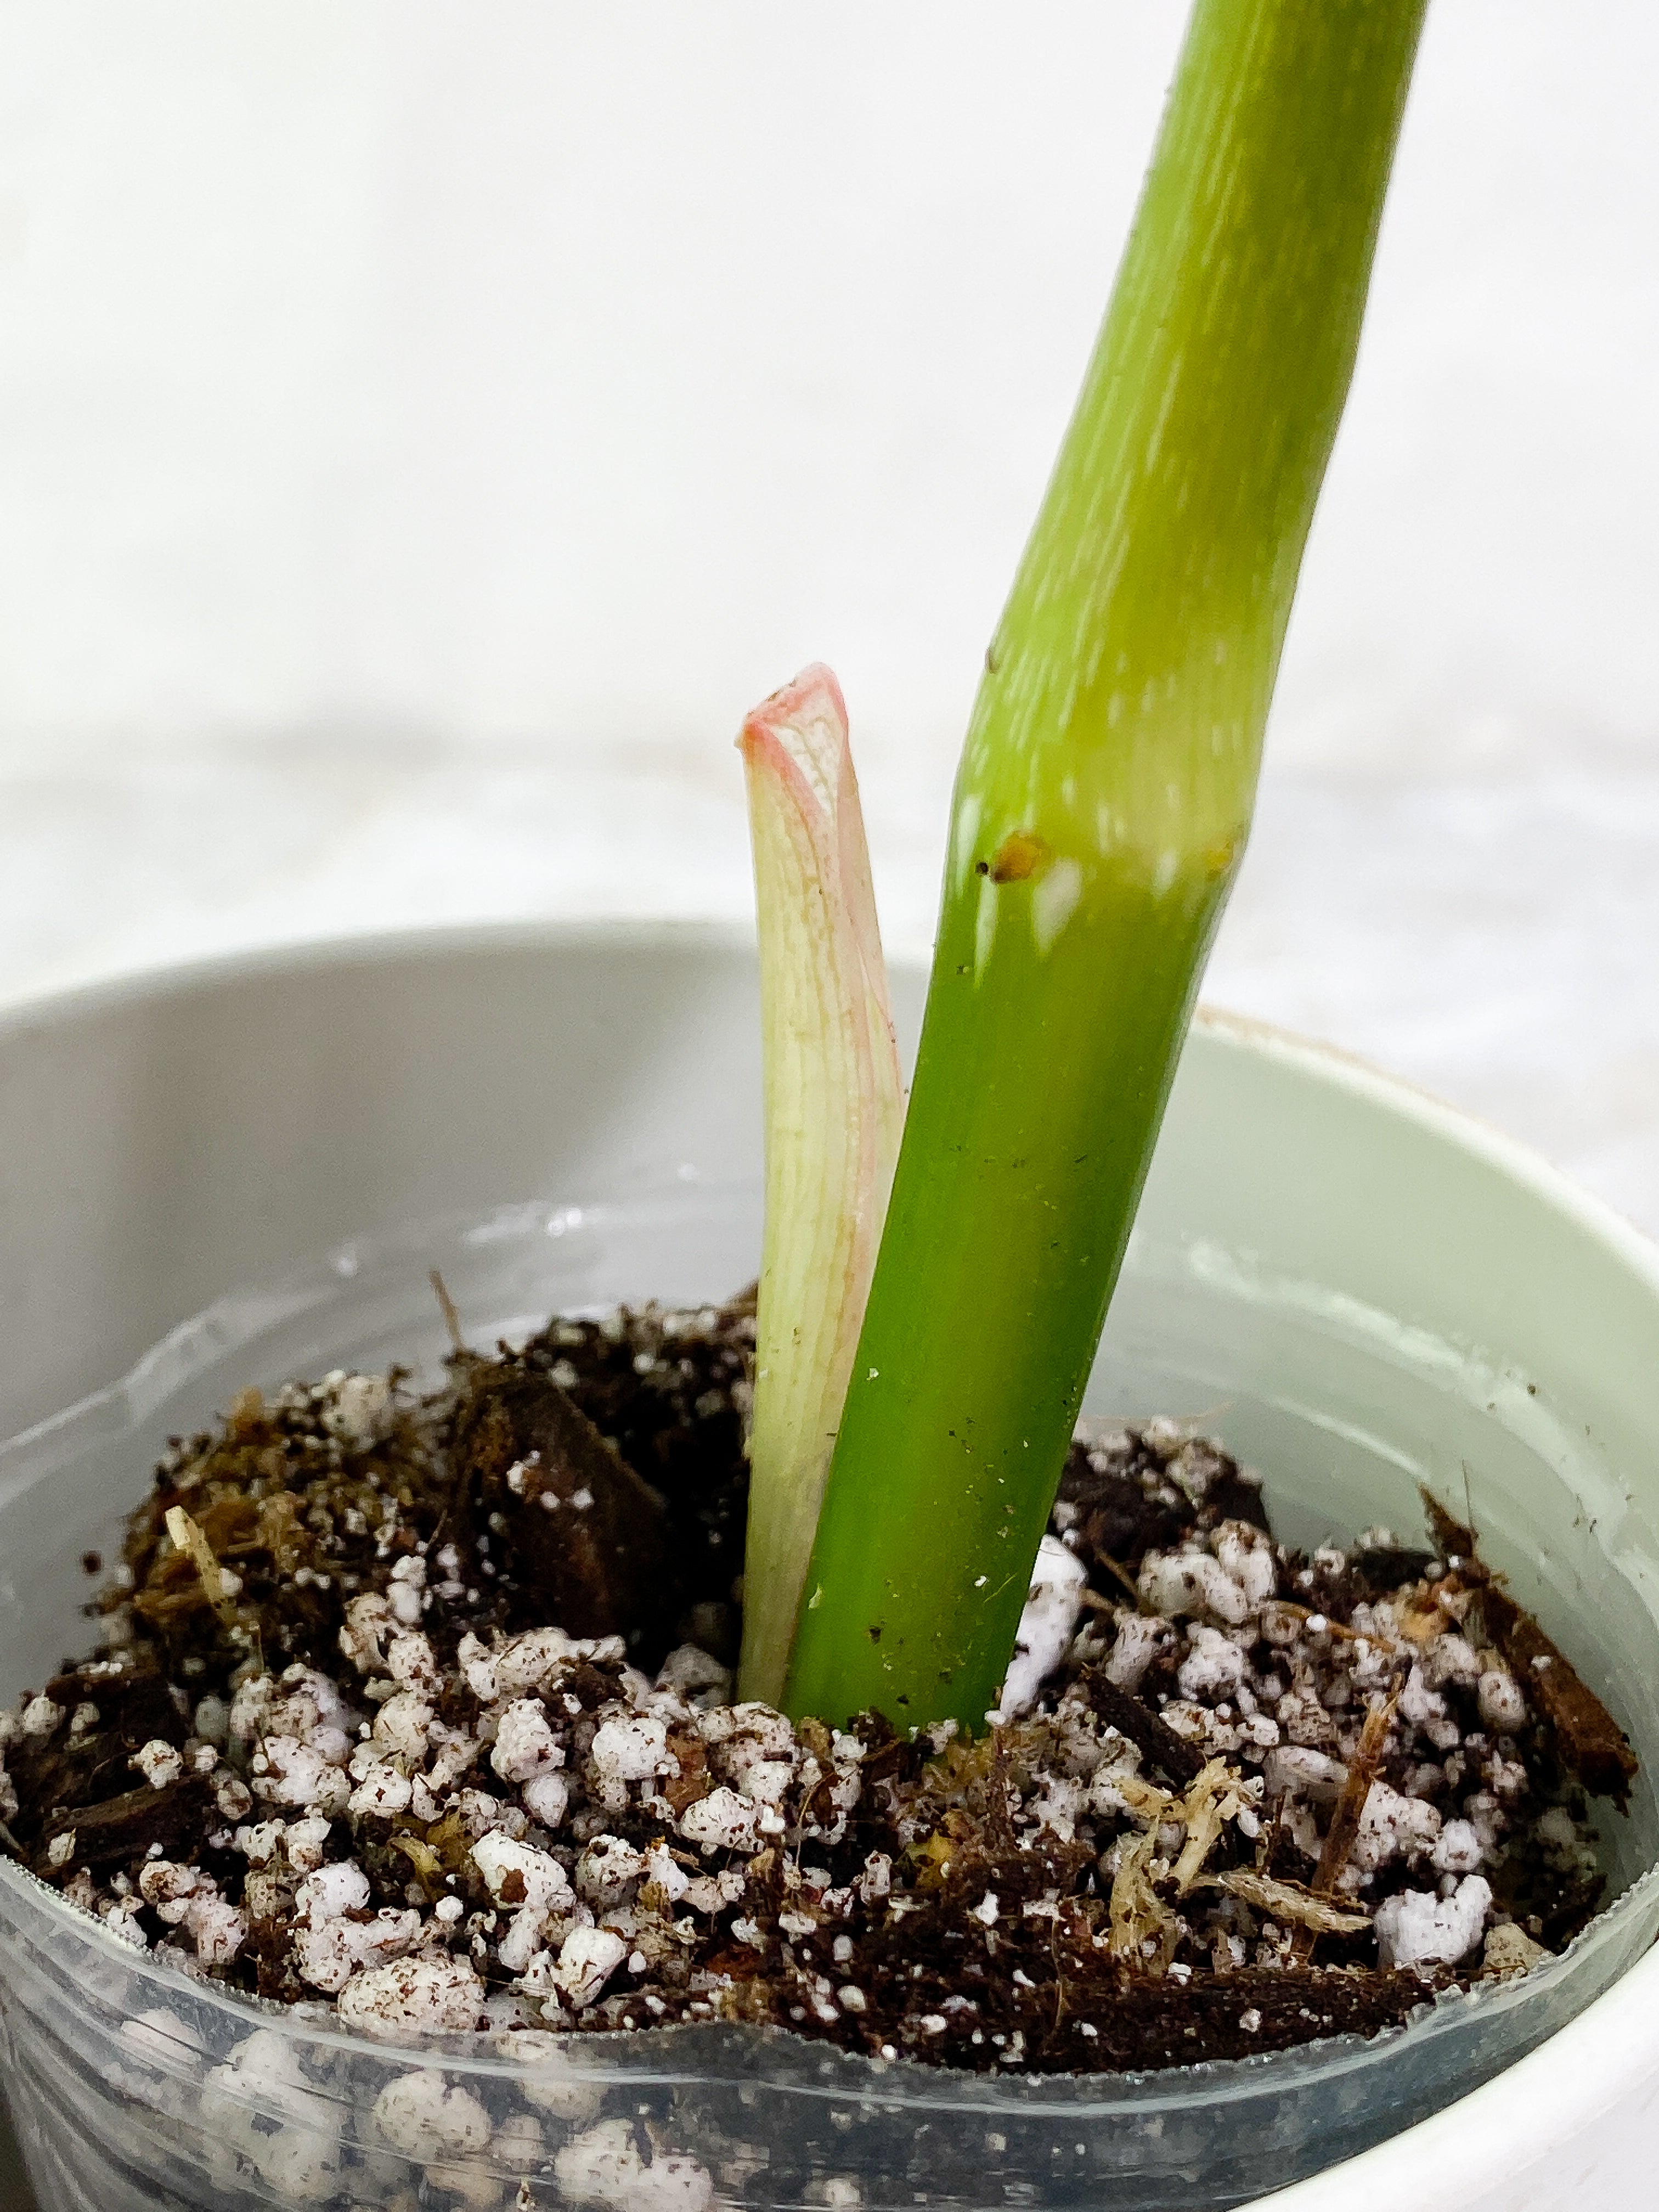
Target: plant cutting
(1099,817)
(427,1699)
(557,1512)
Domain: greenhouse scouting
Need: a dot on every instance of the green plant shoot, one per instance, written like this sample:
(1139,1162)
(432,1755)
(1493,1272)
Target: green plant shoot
(834,1107)
(1100,814)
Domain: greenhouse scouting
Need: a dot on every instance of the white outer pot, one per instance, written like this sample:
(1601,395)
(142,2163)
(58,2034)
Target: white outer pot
(168,1138)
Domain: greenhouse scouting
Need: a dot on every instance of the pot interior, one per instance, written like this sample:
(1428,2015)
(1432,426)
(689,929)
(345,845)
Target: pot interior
(1354,1293)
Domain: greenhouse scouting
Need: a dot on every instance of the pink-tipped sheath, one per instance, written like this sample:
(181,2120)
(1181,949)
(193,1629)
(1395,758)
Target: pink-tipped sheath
(835,1106)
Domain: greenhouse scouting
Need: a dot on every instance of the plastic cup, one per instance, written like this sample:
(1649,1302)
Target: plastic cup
(1354,1289)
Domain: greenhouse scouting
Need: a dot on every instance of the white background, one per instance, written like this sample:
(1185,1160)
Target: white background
(425,428)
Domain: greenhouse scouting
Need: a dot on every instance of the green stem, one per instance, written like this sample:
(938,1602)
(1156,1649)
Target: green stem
(1100,814)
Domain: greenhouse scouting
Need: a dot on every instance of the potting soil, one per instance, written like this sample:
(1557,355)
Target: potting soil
(423,1708)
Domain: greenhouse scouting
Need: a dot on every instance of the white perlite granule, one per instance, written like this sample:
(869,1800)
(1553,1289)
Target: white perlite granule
(1046,1626)
(418,1996)
(603,2166)
(430,2117)
(1415,1927)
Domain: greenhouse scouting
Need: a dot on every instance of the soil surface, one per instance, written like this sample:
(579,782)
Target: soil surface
(423,1708)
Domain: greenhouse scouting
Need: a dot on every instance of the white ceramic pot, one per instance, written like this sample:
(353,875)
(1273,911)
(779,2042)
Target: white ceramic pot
(1356,1288)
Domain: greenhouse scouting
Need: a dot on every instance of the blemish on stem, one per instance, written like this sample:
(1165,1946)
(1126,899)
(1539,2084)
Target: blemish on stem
(1021,854)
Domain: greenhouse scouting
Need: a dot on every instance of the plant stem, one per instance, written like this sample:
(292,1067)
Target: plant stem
(1100,815)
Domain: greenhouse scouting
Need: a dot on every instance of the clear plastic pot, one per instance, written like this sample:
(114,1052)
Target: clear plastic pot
(1355,1289)
(136,2087)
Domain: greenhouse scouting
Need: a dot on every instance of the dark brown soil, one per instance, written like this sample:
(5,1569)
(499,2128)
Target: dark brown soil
(358,1752)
